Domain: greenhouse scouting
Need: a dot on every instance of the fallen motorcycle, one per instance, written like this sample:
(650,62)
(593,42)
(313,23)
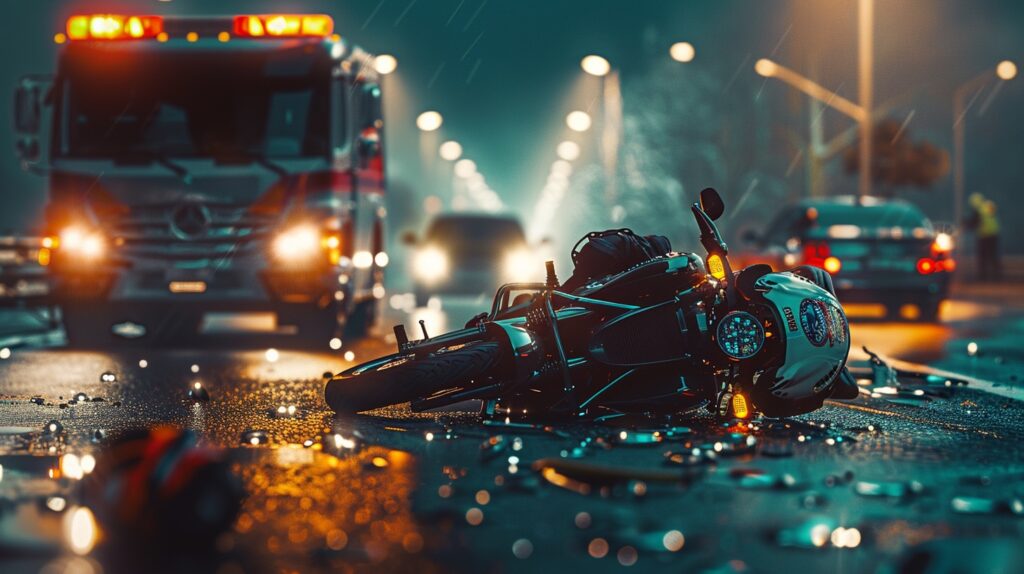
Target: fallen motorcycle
(667,335)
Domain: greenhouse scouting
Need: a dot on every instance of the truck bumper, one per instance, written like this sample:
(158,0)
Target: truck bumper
(214,288)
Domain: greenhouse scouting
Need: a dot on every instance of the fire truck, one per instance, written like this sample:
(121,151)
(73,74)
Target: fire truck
(206,174)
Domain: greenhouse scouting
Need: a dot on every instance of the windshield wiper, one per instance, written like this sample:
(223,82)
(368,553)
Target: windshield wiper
(161,159)
(255,157)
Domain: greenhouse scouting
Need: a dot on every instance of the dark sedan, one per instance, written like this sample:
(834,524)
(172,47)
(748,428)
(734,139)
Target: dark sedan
(879,251)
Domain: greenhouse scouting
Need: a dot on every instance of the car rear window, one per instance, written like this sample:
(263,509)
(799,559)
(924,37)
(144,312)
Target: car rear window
(872,216)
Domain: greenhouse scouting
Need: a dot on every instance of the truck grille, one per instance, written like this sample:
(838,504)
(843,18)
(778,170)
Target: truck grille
(207,231)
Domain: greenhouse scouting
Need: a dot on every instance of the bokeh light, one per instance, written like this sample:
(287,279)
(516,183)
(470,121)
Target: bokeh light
(385,64)
(682,52)
(450,150)
(465,168)
(595,65)
(429,121)
(568,150)
(1006,70)
(578,121)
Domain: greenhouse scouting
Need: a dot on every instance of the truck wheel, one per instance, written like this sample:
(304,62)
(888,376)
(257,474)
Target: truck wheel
(90,325)
(401,378)
(84,328)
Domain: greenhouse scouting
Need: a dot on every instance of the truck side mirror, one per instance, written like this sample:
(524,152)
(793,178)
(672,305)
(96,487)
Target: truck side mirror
(27,108)
(28,118)
(27,149)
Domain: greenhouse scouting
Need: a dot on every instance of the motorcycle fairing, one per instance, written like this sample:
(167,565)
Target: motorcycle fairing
(816,334)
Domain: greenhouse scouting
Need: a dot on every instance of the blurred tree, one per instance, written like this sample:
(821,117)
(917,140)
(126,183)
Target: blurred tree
(897,161)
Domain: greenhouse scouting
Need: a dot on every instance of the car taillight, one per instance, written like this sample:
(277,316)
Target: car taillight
(815,253)
(927,265)
(832,265)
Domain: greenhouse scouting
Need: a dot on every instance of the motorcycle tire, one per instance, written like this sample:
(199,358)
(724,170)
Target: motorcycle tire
(401,378)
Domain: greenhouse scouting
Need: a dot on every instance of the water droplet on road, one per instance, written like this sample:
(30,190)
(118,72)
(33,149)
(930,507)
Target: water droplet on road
(255,437)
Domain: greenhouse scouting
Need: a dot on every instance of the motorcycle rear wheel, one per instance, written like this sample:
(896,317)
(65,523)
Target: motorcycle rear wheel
(400,377)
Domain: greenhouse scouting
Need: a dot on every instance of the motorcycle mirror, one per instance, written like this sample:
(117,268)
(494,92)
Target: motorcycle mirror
(711,203)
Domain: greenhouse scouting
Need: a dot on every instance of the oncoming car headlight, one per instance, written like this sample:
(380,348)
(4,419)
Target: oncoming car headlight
(740,335)
(430,264)
(297,244)
(519,265)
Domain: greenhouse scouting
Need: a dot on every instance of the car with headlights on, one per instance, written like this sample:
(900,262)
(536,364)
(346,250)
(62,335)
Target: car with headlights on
(471,254)
(883,252)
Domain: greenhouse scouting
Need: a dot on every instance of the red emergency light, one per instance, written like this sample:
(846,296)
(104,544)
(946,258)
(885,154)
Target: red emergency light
(113,27)
(283,25)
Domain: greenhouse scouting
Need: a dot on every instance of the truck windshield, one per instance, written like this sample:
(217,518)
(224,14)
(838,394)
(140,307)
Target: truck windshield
(193,105)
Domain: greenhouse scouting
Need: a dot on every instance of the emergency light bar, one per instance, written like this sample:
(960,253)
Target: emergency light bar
(114,27)
(283,25)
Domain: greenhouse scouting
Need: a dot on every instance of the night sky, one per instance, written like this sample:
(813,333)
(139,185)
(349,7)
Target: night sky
(504,74)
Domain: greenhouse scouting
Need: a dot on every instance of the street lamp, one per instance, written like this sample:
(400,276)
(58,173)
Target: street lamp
(465,168)
(568,150)
(429,121)
(682,52)
(862,111)
(595,65)
(1005,71)
(770,69)
(385,64)
(578,121)
(450,150)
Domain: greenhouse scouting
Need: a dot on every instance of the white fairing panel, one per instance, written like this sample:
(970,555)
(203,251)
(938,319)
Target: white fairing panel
(817,335)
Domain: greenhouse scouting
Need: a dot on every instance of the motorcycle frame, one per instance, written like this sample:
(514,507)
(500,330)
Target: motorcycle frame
(524,343)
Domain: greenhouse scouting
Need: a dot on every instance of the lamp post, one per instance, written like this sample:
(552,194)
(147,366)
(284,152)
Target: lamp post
(862,111)
(1005,71)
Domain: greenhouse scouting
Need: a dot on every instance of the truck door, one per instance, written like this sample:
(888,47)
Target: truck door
(369,186)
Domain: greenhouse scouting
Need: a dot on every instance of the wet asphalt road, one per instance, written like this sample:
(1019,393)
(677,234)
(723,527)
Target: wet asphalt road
(888,479)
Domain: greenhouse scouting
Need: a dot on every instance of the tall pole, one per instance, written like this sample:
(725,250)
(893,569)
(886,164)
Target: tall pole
(1005,70)
(958,155)
(866,10)
(610,134)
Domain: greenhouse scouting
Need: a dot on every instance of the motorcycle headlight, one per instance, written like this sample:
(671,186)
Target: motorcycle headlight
(740,335)
(298,243)
(430,264)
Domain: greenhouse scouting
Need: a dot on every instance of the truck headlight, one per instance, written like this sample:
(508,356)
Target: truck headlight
(430,264)
(82,242)
(298,243)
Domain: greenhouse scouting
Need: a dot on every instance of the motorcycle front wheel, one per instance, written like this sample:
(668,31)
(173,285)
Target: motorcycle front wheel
(401,377)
